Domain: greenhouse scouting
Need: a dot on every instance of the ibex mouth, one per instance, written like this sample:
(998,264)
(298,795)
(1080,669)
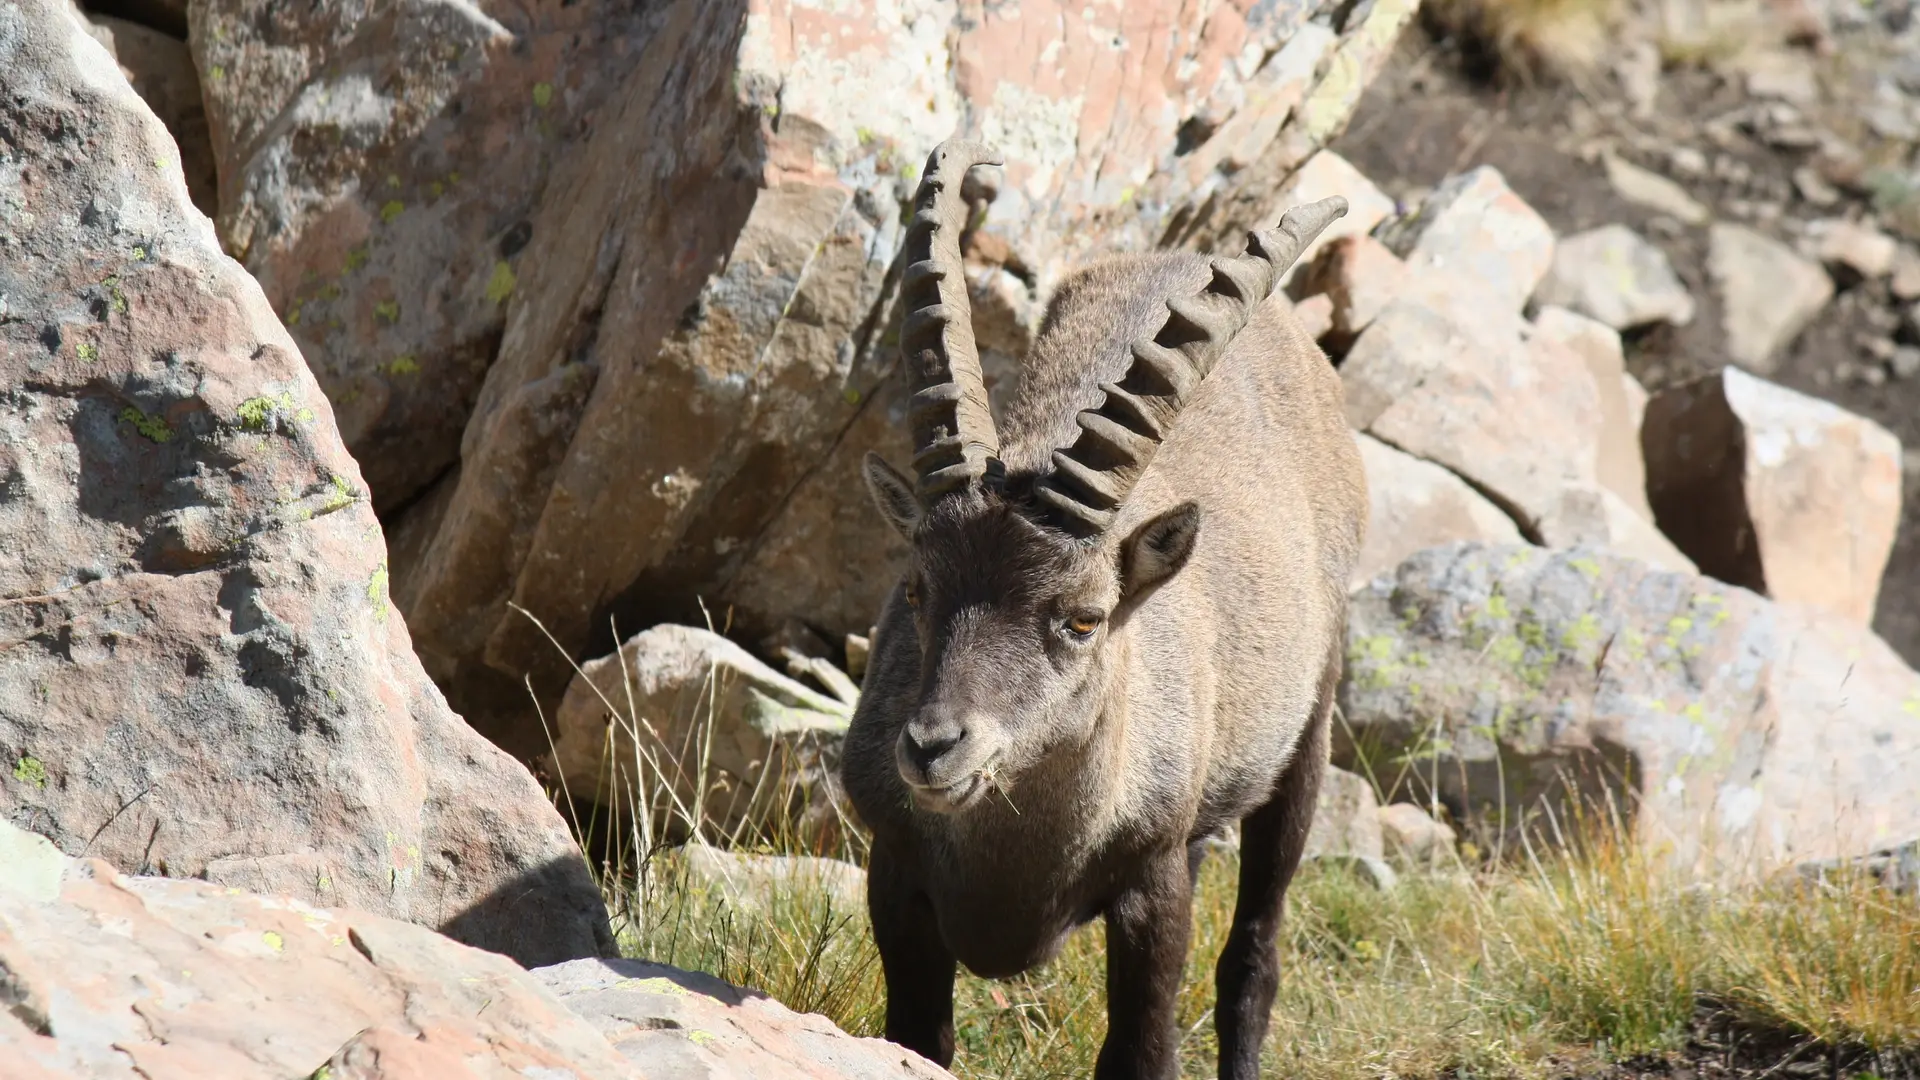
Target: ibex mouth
(955,797)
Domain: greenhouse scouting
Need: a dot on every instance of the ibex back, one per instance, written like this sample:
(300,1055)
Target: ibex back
(1121,630)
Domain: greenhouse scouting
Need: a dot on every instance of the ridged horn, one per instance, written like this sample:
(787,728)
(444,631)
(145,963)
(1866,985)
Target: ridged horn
(1091,478)
(954,440)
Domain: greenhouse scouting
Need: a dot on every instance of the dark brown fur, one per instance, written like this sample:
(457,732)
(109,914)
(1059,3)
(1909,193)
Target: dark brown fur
(1021,780)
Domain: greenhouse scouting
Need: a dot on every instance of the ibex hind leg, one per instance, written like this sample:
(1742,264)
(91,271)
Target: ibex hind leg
(1272,839)
(918,966)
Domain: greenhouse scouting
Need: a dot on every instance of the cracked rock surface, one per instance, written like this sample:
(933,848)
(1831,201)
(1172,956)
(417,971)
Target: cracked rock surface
(201,674)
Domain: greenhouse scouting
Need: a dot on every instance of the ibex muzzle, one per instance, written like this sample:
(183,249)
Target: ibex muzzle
(1120,629)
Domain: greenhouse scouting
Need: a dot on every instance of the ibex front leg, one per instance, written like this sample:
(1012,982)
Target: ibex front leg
(1272,839)
(1147,931)
(919,968)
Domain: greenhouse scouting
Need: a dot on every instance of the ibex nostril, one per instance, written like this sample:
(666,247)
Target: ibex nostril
(924,749)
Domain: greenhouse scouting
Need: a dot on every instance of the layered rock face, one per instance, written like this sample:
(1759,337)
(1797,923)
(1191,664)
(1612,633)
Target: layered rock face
(1734,733)
(201,673)
(111,977)
(698,345)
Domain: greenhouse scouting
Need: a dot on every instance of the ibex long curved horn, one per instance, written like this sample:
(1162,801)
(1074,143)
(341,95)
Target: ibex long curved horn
(1091,479)
(954,440)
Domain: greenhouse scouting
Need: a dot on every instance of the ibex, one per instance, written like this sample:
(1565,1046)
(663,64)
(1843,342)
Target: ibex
(1120,630)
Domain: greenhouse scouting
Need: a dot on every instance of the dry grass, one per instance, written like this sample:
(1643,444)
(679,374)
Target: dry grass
(1497,973)
(1529,39)
(1515,968)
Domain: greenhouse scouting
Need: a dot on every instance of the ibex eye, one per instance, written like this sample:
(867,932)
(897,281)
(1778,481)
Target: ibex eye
(1083,626)
(913,596)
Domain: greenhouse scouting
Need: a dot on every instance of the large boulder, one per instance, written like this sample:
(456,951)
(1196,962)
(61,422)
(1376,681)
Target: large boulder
(162,73)
(1731,732)
(200,672)
(690,727)
(700,346)
(380,167)
(111,977)
(1787,495)
(672,1023)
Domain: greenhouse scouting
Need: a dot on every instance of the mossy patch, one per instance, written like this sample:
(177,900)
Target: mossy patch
(542,95)
(501,283)
(153,427)
(377,591)
(392,209)
(404,364)
(29,770)
(263,414)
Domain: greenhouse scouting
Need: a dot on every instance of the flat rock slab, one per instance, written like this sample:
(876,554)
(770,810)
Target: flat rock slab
(1474,231)
(1768,293)
(112,977)
(681,1025)
(1416,504)
(200,672)
(1764,487)
(1734,733)
(1614,275)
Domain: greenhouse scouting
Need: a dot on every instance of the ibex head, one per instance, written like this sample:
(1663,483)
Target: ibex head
(1016,583)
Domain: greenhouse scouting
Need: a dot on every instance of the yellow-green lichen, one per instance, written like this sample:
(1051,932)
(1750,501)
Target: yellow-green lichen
(377,591)
(262,414)
(392,209)
(542,95)
(140,252)
(655,985)
(153,427)
(404,364)
(500,284)
(87,351)
(387,310)
(341,495)
(393,180)
(357,258)
(273,940)
(217,73)
(28,770)
(1584,631)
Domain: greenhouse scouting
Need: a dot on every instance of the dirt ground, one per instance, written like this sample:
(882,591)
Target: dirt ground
(1428,117)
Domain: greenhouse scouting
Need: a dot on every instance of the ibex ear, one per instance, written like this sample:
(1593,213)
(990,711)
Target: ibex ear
(1156,551)
(892,493)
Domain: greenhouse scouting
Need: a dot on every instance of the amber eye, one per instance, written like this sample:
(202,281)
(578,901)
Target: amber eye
(1083,626)
(913,596)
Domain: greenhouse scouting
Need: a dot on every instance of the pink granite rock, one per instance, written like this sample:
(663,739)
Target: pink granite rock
(200,672)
